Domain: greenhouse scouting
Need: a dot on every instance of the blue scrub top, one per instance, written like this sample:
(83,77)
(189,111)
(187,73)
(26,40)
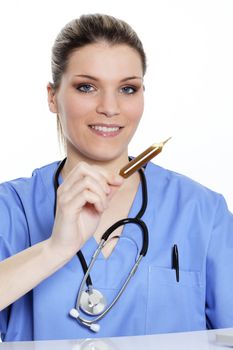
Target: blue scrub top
(180,211)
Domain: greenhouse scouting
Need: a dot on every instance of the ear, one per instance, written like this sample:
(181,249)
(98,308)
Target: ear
(51,98)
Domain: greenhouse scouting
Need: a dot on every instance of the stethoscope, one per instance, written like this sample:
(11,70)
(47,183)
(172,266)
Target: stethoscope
(91,301)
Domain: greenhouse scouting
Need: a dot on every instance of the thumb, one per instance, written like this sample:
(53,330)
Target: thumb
(115,184)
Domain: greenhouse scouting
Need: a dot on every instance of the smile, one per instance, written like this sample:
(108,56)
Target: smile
(104,130)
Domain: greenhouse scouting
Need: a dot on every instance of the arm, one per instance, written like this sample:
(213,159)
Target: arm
(81,199)
(219,296)
(23,271)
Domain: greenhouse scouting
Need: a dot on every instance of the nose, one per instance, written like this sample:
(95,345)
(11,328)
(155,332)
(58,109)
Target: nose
(108,104)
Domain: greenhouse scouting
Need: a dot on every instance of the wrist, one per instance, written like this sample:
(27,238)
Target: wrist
(59,253)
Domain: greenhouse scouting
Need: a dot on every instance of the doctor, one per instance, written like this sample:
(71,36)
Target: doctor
(183,283)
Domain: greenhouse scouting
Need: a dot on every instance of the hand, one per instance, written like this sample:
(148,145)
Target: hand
(81,200)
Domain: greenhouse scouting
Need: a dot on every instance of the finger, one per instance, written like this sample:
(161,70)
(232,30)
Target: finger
(86,183)
(82,170)
(112,179)
(76,204)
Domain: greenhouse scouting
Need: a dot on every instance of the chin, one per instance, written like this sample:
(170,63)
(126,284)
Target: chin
(104,156)
(100,152)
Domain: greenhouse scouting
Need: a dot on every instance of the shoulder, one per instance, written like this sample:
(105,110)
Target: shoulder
(13,189)
(182,189)
(19,199)
(182,203)
(22,192)
(177,180)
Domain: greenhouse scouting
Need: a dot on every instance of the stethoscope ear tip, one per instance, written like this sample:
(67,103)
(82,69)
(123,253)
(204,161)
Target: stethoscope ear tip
(74,313)
(95,327)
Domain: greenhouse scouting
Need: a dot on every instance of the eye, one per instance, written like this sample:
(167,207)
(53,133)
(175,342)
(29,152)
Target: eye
(86,88)
(128,90)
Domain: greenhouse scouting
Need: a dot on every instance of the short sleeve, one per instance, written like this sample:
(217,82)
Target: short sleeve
(4,314)
(219,284)
(13,233)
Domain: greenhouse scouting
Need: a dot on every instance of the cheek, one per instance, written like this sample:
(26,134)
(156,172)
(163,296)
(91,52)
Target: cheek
(135,110)
(73,110)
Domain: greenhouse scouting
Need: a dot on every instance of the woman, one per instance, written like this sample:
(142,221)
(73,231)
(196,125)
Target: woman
(183,282)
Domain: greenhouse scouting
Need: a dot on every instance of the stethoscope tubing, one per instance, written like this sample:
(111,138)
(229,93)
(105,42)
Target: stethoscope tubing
(138,216)
(103,241)
(130,275)
(126,221)
(86,269)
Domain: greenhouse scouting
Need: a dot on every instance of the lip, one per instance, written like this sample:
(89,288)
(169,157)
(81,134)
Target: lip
(106,133)
(106,125)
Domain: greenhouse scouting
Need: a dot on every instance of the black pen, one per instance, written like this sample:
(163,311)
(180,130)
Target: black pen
(175,261)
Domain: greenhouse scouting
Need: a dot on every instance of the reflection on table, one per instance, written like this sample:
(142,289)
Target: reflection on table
(201,340)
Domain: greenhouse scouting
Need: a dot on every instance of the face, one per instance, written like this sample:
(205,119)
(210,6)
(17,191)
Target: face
(100,100)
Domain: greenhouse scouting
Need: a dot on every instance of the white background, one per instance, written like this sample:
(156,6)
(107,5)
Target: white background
(189,83)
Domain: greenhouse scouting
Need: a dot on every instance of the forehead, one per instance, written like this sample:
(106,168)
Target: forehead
(105,60)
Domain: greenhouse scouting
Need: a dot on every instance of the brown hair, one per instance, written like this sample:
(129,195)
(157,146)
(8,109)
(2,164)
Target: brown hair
(89,29)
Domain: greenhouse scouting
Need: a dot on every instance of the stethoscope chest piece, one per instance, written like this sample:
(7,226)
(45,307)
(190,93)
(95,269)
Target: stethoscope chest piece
(92,303)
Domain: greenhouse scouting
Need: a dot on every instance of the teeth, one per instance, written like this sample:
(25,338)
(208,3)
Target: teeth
(104,128)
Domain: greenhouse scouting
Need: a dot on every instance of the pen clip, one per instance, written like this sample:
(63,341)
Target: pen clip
(175,262)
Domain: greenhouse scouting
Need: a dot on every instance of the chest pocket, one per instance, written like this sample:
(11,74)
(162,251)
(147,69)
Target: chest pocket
(174,306)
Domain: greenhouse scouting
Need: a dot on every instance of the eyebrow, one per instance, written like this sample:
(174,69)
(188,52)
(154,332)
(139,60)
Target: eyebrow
(96,79)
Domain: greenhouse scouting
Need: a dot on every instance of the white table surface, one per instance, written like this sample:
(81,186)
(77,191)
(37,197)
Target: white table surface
(201,340)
